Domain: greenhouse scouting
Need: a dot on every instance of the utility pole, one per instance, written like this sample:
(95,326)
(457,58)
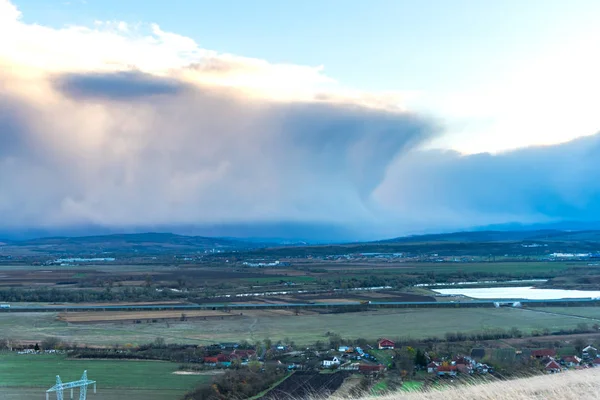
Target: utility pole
(82,384)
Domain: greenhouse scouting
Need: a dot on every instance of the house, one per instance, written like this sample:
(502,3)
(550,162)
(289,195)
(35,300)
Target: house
(464,368)
(552,367)
(243,355)
(331,362)
(386,344)
(543,353)
(447,370)
(432,367)
(596,362)
(370,368)
(589,353)
(343,349)
(211,361)
(571,361)
(349,366)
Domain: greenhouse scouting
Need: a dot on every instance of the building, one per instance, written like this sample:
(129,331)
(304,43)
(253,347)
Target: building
(542,353)
(571,361)
(370,368)
(386,344)
(447,370)
(589,353)
(331,362)
(432,367)
(552,367)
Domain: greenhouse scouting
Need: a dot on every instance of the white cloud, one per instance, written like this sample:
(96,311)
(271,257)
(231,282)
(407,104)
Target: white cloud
(125,125)
(550,98)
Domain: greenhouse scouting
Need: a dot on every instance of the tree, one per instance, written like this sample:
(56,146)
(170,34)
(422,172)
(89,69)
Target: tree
(37,347)
(404,360)
(420,359)
(579,344)
(51,343)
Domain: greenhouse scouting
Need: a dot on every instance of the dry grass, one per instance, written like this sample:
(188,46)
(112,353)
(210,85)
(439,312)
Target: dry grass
(574,385)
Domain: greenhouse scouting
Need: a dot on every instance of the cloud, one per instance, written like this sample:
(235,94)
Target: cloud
(117,126)
(117,85)
(532,185)
(121,126)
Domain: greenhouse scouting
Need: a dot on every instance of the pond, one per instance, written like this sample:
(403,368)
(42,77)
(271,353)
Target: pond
(525,292)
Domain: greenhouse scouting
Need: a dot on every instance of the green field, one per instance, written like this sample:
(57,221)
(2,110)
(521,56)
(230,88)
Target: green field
(304,329)
(283,278)
(593,313)
(40,370)
(529,268)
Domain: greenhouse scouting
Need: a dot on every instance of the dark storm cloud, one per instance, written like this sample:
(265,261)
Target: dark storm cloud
(204,155)
(126,85)
(536,184)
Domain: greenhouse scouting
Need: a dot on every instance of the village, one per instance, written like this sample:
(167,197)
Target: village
(406,361)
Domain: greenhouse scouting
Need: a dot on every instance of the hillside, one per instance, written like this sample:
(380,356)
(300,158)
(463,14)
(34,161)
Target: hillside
(502,236)
(575,385)
(139,243)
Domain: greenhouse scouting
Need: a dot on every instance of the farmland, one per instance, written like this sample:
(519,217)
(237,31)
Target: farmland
(24,372)
(305,328)
(312,275)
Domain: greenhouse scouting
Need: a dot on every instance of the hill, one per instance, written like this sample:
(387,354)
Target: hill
(575,385)
(138,243)
(501,236)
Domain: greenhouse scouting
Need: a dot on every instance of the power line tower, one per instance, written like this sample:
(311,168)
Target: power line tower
(82,384)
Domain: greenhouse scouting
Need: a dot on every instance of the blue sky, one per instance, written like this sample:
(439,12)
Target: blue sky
(379,117)
(439,54)
(370,45)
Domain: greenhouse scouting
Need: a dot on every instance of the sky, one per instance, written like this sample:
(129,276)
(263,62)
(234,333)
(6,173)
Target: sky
(376,118)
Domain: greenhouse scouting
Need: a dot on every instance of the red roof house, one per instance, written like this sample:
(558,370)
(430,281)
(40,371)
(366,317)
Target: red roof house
(432,367)
(447,370)
(571,361)
(243,354)
(552,367)
(385,344)
(543,353)
(371,368)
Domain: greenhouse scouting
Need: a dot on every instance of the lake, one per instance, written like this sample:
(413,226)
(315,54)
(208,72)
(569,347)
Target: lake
(525,292)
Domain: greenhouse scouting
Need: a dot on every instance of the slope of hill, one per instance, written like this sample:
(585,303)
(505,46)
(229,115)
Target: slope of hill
(575,385)
(501,236)
(139,243)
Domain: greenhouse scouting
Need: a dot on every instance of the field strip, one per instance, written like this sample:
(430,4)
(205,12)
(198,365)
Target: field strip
(105,316)
(562,314)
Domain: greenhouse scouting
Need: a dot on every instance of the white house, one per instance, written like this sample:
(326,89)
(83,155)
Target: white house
(589,352)
(330,362)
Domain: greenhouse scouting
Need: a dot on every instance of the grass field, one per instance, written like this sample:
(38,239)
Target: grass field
(40,370)
(93,316)
(585,312)
(28,376)
(303,329)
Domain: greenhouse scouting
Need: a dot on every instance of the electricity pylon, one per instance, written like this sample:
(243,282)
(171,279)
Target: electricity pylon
(82,384)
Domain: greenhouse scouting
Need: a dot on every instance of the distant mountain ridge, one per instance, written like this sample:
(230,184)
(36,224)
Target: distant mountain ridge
(501,236)
(142,243)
